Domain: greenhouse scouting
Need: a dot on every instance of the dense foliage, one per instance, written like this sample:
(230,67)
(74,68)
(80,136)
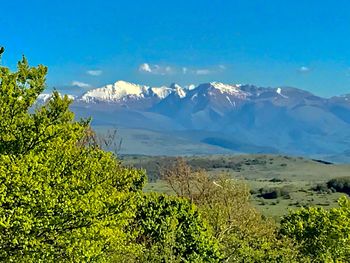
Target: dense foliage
(243,233)
(171,230)
(62,198)
(324,235)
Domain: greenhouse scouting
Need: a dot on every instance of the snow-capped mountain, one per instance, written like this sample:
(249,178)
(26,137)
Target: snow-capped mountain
(122,91)
(231,116)
(177,90)
(130,95)
(219,96)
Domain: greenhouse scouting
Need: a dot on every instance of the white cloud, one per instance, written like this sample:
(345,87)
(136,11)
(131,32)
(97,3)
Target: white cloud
(167,70)
(208,71)
(80,84)
(145,67)
(94,72)
(203,71)
(155,69)
(304,69)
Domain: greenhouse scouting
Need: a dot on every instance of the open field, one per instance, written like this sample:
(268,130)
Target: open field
(293,177)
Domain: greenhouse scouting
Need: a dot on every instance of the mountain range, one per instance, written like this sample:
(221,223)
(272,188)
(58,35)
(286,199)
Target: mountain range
(221,118)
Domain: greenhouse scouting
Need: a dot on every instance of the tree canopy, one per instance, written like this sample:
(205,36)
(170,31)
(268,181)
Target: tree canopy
(324,235)
(62,198)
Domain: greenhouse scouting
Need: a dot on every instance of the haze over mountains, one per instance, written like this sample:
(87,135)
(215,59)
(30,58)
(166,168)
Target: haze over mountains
(221,118)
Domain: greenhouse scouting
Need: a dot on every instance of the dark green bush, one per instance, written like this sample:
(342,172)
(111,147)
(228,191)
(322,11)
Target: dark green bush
(340,184)
(273,193)
(277,180)
(322,188)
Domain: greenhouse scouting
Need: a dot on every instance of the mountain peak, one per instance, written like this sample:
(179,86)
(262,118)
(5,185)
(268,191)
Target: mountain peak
(175,86)
(161,92)
(115,92)
(232,90)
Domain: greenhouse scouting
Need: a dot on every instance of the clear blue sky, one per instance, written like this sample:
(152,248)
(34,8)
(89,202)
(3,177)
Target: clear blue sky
(303,43)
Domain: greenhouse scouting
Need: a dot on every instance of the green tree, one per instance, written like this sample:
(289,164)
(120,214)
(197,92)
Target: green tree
(244,235)
(171,230)
(61,197)
(324,235)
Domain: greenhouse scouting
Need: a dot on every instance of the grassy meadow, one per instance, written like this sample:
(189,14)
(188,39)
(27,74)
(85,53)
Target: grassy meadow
(278,183)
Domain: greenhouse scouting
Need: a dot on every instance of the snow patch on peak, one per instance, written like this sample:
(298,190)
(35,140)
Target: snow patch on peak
(232,104)
(122,88)
(161,92)
(234,89)
(180,92)
(190,87)
(279,91)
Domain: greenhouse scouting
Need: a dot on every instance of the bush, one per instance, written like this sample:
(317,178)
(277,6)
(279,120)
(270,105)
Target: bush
(273,193)
(340,184)
(277,180)
(322,188)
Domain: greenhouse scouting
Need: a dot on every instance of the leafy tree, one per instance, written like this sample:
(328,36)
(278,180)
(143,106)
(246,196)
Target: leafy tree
(61,197)
(324,235)
(171,230)
(244,235)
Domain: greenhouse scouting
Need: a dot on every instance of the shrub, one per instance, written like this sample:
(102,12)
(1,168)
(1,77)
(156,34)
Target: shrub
(340,184)
(273,193)
(322,188)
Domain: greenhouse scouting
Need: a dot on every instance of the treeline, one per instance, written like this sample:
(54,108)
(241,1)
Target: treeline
(153,166)
(64,199)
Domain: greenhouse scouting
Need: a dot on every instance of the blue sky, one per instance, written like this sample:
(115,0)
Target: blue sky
(305,44)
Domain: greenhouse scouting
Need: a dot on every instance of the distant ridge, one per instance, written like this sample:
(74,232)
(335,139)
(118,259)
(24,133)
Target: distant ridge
(122,91)
(234,117)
